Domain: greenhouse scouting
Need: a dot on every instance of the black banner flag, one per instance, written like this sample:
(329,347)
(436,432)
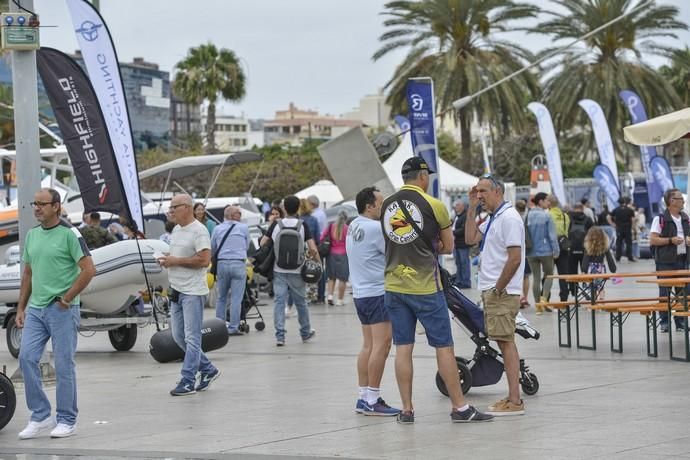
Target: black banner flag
(83,131)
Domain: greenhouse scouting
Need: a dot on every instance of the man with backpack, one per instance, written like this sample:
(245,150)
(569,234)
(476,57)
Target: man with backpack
(580,223)
(289,236)
(622,219)
(670,235)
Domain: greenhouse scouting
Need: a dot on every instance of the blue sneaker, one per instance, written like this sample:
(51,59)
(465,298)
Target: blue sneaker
(206,379)
(361,404)
(183,389)
(380,408)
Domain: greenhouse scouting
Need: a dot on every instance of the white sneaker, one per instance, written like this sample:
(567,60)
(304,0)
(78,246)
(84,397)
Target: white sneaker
(63,430)
(339,303)
(34,429)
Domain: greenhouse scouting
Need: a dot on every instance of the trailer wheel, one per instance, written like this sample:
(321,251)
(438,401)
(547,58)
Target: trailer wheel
(8,400)
(124,337)
(14,336)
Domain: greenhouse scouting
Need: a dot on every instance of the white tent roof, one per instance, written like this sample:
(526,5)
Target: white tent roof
(327,192)
(451,177)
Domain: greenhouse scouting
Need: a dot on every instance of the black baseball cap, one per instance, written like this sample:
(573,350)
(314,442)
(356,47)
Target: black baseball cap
(416,164)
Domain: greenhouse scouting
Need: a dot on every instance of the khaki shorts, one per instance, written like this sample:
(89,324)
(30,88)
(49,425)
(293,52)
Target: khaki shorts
(500,311)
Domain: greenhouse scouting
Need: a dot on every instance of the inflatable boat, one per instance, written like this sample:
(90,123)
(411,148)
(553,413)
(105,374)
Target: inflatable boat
(118,281)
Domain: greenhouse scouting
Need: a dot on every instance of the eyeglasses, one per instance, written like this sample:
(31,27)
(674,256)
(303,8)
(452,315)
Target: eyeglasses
(493,179)
(173,207)
(40,204)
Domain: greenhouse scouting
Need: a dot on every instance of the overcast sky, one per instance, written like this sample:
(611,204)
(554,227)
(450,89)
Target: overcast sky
(315,53)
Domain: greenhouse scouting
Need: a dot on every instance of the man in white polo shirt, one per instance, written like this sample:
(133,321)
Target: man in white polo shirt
(500,278)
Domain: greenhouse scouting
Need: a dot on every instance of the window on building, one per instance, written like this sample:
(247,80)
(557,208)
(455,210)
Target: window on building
(243,128)
(297,129)
(286,129)
(244,142)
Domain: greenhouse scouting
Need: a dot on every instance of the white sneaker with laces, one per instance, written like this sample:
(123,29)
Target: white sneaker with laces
(63,430)
(35,429)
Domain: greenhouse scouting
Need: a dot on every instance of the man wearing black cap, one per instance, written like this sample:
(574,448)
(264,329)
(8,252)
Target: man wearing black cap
(417,229)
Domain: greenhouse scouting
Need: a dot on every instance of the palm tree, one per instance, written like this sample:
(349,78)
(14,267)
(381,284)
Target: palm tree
(609,61)
(205,74)
(454,43)
(678,73)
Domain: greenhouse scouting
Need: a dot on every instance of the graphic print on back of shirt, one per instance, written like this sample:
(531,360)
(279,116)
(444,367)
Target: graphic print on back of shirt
(398,229)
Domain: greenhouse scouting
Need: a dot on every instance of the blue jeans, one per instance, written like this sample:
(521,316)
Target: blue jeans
(232,274)
(61,326)
(664,291)
(186,321)
(462,263)
(292,282)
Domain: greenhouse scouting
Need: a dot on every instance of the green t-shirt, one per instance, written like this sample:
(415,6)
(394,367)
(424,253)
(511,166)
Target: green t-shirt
(53,255)
(411,267)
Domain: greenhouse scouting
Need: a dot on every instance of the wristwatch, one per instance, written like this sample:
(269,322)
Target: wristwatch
(497,292)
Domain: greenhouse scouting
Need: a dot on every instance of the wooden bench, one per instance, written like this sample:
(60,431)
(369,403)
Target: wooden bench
(619,310)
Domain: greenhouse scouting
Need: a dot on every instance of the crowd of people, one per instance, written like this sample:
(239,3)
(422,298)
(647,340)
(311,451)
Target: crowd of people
(390,255)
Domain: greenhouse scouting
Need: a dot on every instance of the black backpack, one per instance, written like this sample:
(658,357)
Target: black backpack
(576,235)
(289,246)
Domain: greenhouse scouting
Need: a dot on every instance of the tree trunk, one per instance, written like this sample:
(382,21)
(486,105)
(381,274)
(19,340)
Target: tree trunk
(211,128)
(465,140)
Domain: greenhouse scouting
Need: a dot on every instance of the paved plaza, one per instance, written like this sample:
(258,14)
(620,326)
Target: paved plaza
(298,401)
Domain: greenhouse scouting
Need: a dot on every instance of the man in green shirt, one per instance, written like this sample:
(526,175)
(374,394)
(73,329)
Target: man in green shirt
(57,267)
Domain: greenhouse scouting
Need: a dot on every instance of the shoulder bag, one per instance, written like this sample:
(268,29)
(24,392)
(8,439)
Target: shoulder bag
(214,258)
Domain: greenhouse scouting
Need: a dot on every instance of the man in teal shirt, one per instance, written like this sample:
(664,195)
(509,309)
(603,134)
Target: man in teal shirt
(57,267)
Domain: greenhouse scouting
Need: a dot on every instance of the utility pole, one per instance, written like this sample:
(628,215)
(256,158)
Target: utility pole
(28,154)
(28,157)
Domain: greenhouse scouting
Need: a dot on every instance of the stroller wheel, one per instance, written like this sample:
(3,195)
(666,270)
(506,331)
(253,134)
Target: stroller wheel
(260,325)
(529,383)
(464,374)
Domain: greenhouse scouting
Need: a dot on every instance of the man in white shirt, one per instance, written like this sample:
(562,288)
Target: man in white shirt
(190,254)
(366,255)
(670,236)
(500,278)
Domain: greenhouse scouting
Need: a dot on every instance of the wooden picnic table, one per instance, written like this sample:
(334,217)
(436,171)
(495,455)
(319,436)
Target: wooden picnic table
(677,295)
(587,288)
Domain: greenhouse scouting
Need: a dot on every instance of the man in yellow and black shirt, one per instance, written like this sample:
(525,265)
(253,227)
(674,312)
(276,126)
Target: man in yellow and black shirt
(413,289)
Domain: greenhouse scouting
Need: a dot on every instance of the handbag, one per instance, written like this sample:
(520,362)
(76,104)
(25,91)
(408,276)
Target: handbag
(528,237)
(325,244)
(214,258)
(444,278)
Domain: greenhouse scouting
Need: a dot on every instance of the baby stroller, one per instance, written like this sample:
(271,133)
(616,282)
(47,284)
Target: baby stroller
(486,366)
(250,301)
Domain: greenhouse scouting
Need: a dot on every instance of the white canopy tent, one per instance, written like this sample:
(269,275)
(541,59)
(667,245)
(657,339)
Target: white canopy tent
(453,180)
(327,192)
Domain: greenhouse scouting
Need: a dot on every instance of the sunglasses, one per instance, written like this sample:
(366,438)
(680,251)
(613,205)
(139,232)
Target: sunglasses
(40,204)
(494,180)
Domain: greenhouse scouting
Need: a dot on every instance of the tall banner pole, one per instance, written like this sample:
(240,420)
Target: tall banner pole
(602,135)
(102,64)
(420,100)
(550,143)
(638,114)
